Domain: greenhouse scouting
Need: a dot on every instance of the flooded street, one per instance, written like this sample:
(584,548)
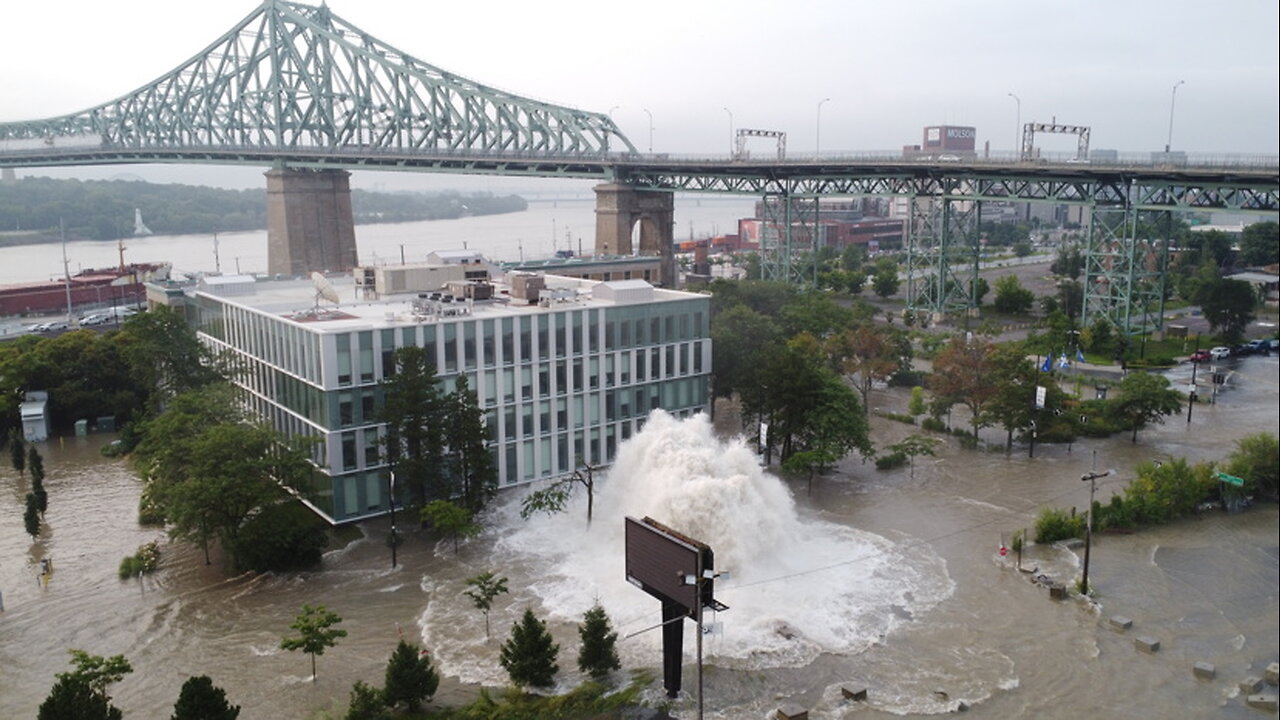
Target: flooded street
(876,578)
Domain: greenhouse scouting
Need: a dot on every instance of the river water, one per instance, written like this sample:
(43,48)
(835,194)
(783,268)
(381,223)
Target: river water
(876,578)
(890,580)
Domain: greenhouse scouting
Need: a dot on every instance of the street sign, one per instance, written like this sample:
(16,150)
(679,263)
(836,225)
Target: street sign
(1040,393)
(1231,479)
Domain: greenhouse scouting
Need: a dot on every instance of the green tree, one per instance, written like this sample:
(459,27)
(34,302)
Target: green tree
(315,633)
(200,699)
(1011,297)
(17,451)
(410,679)
(598,655)
(451,519)
(164,354)
(1069,263)
(366,703)
(553,498)
(1256,459)
(73,699)
(808,405)
(808,463)
(414,411)
(1228,306)
(886,282)
(486,588)
(529,656)
(35,463)
(740,335)
(1145,399)
(866,354)
(914,445)
(31,516)
(916,406)
(1260,244)
(471,463)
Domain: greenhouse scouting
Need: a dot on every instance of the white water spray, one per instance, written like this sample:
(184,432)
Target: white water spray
(799,586)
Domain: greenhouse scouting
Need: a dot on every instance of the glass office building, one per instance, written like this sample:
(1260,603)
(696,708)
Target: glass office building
(568,376)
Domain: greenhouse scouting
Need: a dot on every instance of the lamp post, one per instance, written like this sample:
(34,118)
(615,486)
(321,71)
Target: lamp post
(730,131)
(615,107)
(646,112)
(1088,527)
(817,135)
(1017,128)
(391,503)
(1172,99)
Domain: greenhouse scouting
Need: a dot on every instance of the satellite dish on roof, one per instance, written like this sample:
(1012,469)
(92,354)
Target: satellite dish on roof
(324,289)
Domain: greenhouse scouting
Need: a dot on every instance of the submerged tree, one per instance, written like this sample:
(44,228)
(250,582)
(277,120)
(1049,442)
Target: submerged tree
(200,699)
(410,679)
(414,411)
(529,656)
(452,519)
(315,633)
(82,693)
(487,587)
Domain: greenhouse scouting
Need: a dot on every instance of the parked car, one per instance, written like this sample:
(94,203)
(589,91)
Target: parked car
(1220,353)
(1200,356)
(1242,350)
(51,326)
(1262,347)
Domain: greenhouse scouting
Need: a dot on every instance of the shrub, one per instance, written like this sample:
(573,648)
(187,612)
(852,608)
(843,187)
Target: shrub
(1054,524)
(891,461)
(934,424)
(286,536)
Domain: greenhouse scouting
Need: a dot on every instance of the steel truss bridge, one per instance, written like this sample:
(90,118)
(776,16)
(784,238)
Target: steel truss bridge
(295,86)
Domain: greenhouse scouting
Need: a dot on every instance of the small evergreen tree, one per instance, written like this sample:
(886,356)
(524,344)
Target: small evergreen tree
(316,633)
(17,450)
(31,518)
(410,678)
(599,653)
(529,656)
(487,587)
(200,699)
(72,699)
(35,462)
(366,703)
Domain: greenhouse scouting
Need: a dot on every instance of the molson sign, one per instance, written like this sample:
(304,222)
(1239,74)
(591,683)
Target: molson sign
(950,137)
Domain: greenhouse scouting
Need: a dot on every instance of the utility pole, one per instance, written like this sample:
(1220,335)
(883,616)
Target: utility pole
(391,503)
(1191,396)
(1088,527)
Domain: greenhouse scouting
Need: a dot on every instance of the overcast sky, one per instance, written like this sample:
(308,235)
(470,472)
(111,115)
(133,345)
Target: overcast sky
(889,68)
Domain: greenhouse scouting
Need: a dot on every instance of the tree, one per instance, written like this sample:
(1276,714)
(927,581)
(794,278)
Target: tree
(475,475)
(807,462)
(868,353)
(410,679)
(414,412)
(912,446)
(529,656)
(73,699)
(1257,461)
(599,653)
(962,373)
(17,451)
(451,519)
(1069,263)
(1228,306)
(809,406)
(1011,297)
(31,516)
(886,282)
(315,633)
(200,699)
(1260,244)
(487,587)
(740,335)
(165,355)
(1144,399)
(916,406)
(553,498)
(366,703)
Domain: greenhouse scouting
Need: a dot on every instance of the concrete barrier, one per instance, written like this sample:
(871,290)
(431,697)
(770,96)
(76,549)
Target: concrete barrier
(1146,644)
(1057,591)
(853,692)
(1251,685)
(1120,623)
(1204,670)
(791,711)
(1264,701)
(1273,670)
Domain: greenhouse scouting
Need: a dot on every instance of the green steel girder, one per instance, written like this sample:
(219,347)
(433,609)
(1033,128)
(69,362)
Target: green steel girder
(295,77)
(1124,275)
(789,228)
(944,238)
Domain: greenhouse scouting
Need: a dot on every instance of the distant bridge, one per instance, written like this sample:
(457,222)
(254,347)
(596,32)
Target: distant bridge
(298,89)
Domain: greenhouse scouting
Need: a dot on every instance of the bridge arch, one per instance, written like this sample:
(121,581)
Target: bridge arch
(620,209)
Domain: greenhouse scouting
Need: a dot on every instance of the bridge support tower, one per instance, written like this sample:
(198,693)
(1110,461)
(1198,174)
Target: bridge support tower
(942,257)
(309,222)
(619,208)
(1126,268)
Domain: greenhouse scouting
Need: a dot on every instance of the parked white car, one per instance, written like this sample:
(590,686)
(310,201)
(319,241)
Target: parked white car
(1220,353)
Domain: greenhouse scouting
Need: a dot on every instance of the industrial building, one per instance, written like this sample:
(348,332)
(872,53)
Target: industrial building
(564,368)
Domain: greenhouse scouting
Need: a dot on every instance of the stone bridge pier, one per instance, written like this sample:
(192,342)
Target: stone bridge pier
(309,222)
(619,208)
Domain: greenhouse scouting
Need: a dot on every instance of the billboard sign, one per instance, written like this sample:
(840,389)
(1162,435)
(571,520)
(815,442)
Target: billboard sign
(665,564)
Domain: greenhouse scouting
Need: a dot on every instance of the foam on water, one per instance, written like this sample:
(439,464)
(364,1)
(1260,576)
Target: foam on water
(799,586)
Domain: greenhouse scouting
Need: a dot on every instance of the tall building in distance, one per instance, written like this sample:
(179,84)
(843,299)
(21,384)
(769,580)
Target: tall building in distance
(944,142)
(564,368)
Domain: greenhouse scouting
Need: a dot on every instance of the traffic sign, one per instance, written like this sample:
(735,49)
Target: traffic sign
(1231,479)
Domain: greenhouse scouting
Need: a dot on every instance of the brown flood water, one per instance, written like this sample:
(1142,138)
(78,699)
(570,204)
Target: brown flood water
(1206,588)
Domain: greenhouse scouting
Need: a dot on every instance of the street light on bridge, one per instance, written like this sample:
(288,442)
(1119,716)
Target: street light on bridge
(646,112)
(817,141)
(1172,99)
(730,131)
(1017,128)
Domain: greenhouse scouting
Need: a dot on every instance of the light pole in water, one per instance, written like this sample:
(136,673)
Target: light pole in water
(1088,527)
(391,502)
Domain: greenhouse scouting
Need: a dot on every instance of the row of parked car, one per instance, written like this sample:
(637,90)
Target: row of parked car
(1222,352)
(100,318)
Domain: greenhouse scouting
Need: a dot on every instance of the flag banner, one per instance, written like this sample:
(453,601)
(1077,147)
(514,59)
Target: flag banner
(1048,364)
